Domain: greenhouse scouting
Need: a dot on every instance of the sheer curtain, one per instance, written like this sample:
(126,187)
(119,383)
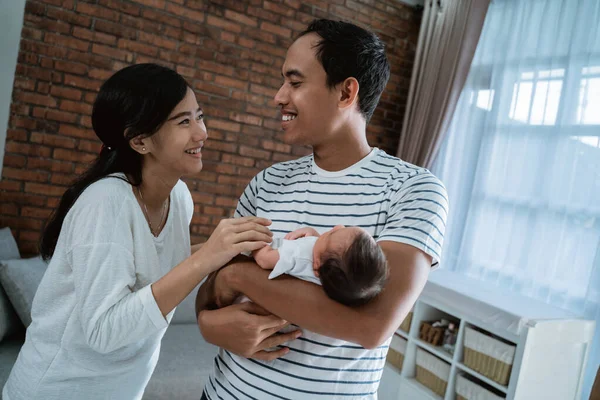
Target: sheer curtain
(521,159)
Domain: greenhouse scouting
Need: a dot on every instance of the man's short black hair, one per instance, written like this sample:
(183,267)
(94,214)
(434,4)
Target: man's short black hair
(349,51)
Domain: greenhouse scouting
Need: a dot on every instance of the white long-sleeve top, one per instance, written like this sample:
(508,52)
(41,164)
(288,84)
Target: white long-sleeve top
(96,327)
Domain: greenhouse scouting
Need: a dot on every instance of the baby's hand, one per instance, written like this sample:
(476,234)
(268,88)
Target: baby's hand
(300,233)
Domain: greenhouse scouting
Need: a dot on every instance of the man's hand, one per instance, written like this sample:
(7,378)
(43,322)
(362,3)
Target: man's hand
(300,233)
(247,330)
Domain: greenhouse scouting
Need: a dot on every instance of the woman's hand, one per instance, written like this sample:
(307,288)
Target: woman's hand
(232,237)
(300,233)
(247,330)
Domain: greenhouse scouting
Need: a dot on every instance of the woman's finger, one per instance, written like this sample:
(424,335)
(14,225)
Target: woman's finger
(248,246)
(250,236)
(258,220)
(251,226)
(253,308)
(271,331)
(270,355)
(278,339)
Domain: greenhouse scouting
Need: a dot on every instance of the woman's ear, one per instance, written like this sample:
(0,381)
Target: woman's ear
(139,144)
(348,93)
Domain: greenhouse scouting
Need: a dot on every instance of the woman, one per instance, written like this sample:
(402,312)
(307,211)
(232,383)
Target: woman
(120,247)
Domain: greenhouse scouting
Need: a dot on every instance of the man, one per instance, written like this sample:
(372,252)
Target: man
(334,74)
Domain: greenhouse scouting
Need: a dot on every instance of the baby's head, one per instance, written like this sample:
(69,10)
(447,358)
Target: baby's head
(351,266)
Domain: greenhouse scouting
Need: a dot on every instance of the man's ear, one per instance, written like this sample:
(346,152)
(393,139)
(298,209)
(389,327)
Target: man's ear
(139,144)
(348,93)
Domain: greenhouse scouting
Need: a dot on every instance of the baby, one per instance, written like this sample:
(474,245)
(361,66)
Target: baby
(346,261)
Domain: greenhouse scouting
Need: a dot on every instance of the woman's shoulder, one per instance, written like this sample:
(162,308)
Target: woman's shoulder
(107,190)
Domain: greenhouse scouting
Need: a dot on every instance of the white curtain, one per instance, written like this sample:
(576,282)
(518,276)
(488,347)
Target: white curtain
(521,159)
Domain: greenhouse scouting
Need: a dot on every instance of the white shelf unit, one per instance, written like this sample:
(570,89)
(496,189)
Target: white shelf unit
(551,345)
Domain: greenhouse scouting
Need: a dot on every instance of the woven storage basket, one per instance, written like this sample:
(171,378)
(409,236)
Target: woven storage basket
(432,372)
(469,390)
(396,352)
(488,356)
(405,325)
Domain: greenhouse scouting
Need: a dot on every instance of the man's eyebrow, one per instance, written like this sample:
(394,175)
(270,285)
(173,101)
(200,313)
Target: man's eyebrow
(293,73)
(184,113)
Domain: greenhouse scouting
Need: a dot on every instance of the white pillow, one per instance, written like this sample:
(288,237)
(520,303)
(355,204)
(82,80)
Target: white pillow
(9,321)
(20,279)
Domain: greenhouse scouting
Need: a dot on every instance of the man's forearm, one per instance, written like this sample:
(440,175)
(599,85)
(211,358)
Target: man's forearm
(304,304)
(307,305)
(205,299)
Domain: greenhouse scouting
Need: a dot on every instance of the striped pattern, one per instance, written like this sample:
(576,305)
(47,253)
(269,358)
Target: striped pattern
(392,200)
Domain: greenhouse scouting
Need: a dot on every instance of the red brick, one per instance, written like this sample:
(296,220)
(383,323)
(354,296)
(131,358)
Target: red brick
(231,83)
(120,5)
(161,17)
(23,198)
(118,30)
(69,17)
(158,41)
(237,160)
(223,125)
(65,41)
(29,236)
(72,155)
(27,149)
(21,223)
(210,88)
(82,83)
(275,146)
(241,18)
(62,179)
(33,98)
(75,107)
(40,188)
(246,118)
(16,134)
(90,146)
(94,36)
(52,165)
(152,3)
(255,153)
(13,160)
(137,47)
(71,67)
(185,12)
(36,212)
(24,175)
(222,23)
(279,9)
(97,12)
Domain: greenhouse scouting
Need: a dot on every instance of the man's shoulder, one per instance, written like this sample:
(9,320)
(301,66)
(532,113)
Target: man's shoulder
(286,170)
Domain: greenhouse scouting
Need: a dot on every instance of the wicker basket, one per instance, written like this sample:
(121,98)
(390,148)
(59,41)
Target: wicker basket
(405,325)
(432,372)
(466,389)
(488,356)
(431,335)
(396,352)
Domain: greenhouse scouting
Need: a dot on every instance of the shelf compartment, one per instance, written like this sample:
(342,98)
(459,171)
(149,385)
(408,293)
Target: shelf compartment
(438,351)
(495,385)
(432,372)
(470,388)
(488,354)
(396,352)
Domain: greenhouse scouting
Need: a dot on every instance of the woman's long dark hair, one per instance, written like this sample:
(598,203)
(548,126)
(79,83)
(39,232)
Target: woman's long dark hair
(135,101)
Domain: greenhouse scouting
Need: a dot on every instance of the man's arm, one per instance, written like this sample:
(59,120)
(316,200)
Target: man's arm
(370,325)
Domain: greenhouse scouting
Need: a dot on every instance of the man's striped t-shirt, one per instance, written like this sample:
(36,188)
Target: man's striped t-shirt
(393,201)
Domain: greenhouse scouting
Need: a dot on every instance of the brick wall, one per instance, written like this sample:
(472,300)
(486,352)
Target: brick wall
(231,51)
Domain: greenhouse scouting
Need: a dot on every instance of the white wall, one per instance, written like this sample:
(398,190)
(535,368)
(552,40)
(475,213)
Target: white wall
(11,22)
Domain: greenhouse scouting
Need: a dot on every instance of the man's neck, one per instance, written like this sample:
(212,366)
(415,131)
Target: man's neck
(341,154)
